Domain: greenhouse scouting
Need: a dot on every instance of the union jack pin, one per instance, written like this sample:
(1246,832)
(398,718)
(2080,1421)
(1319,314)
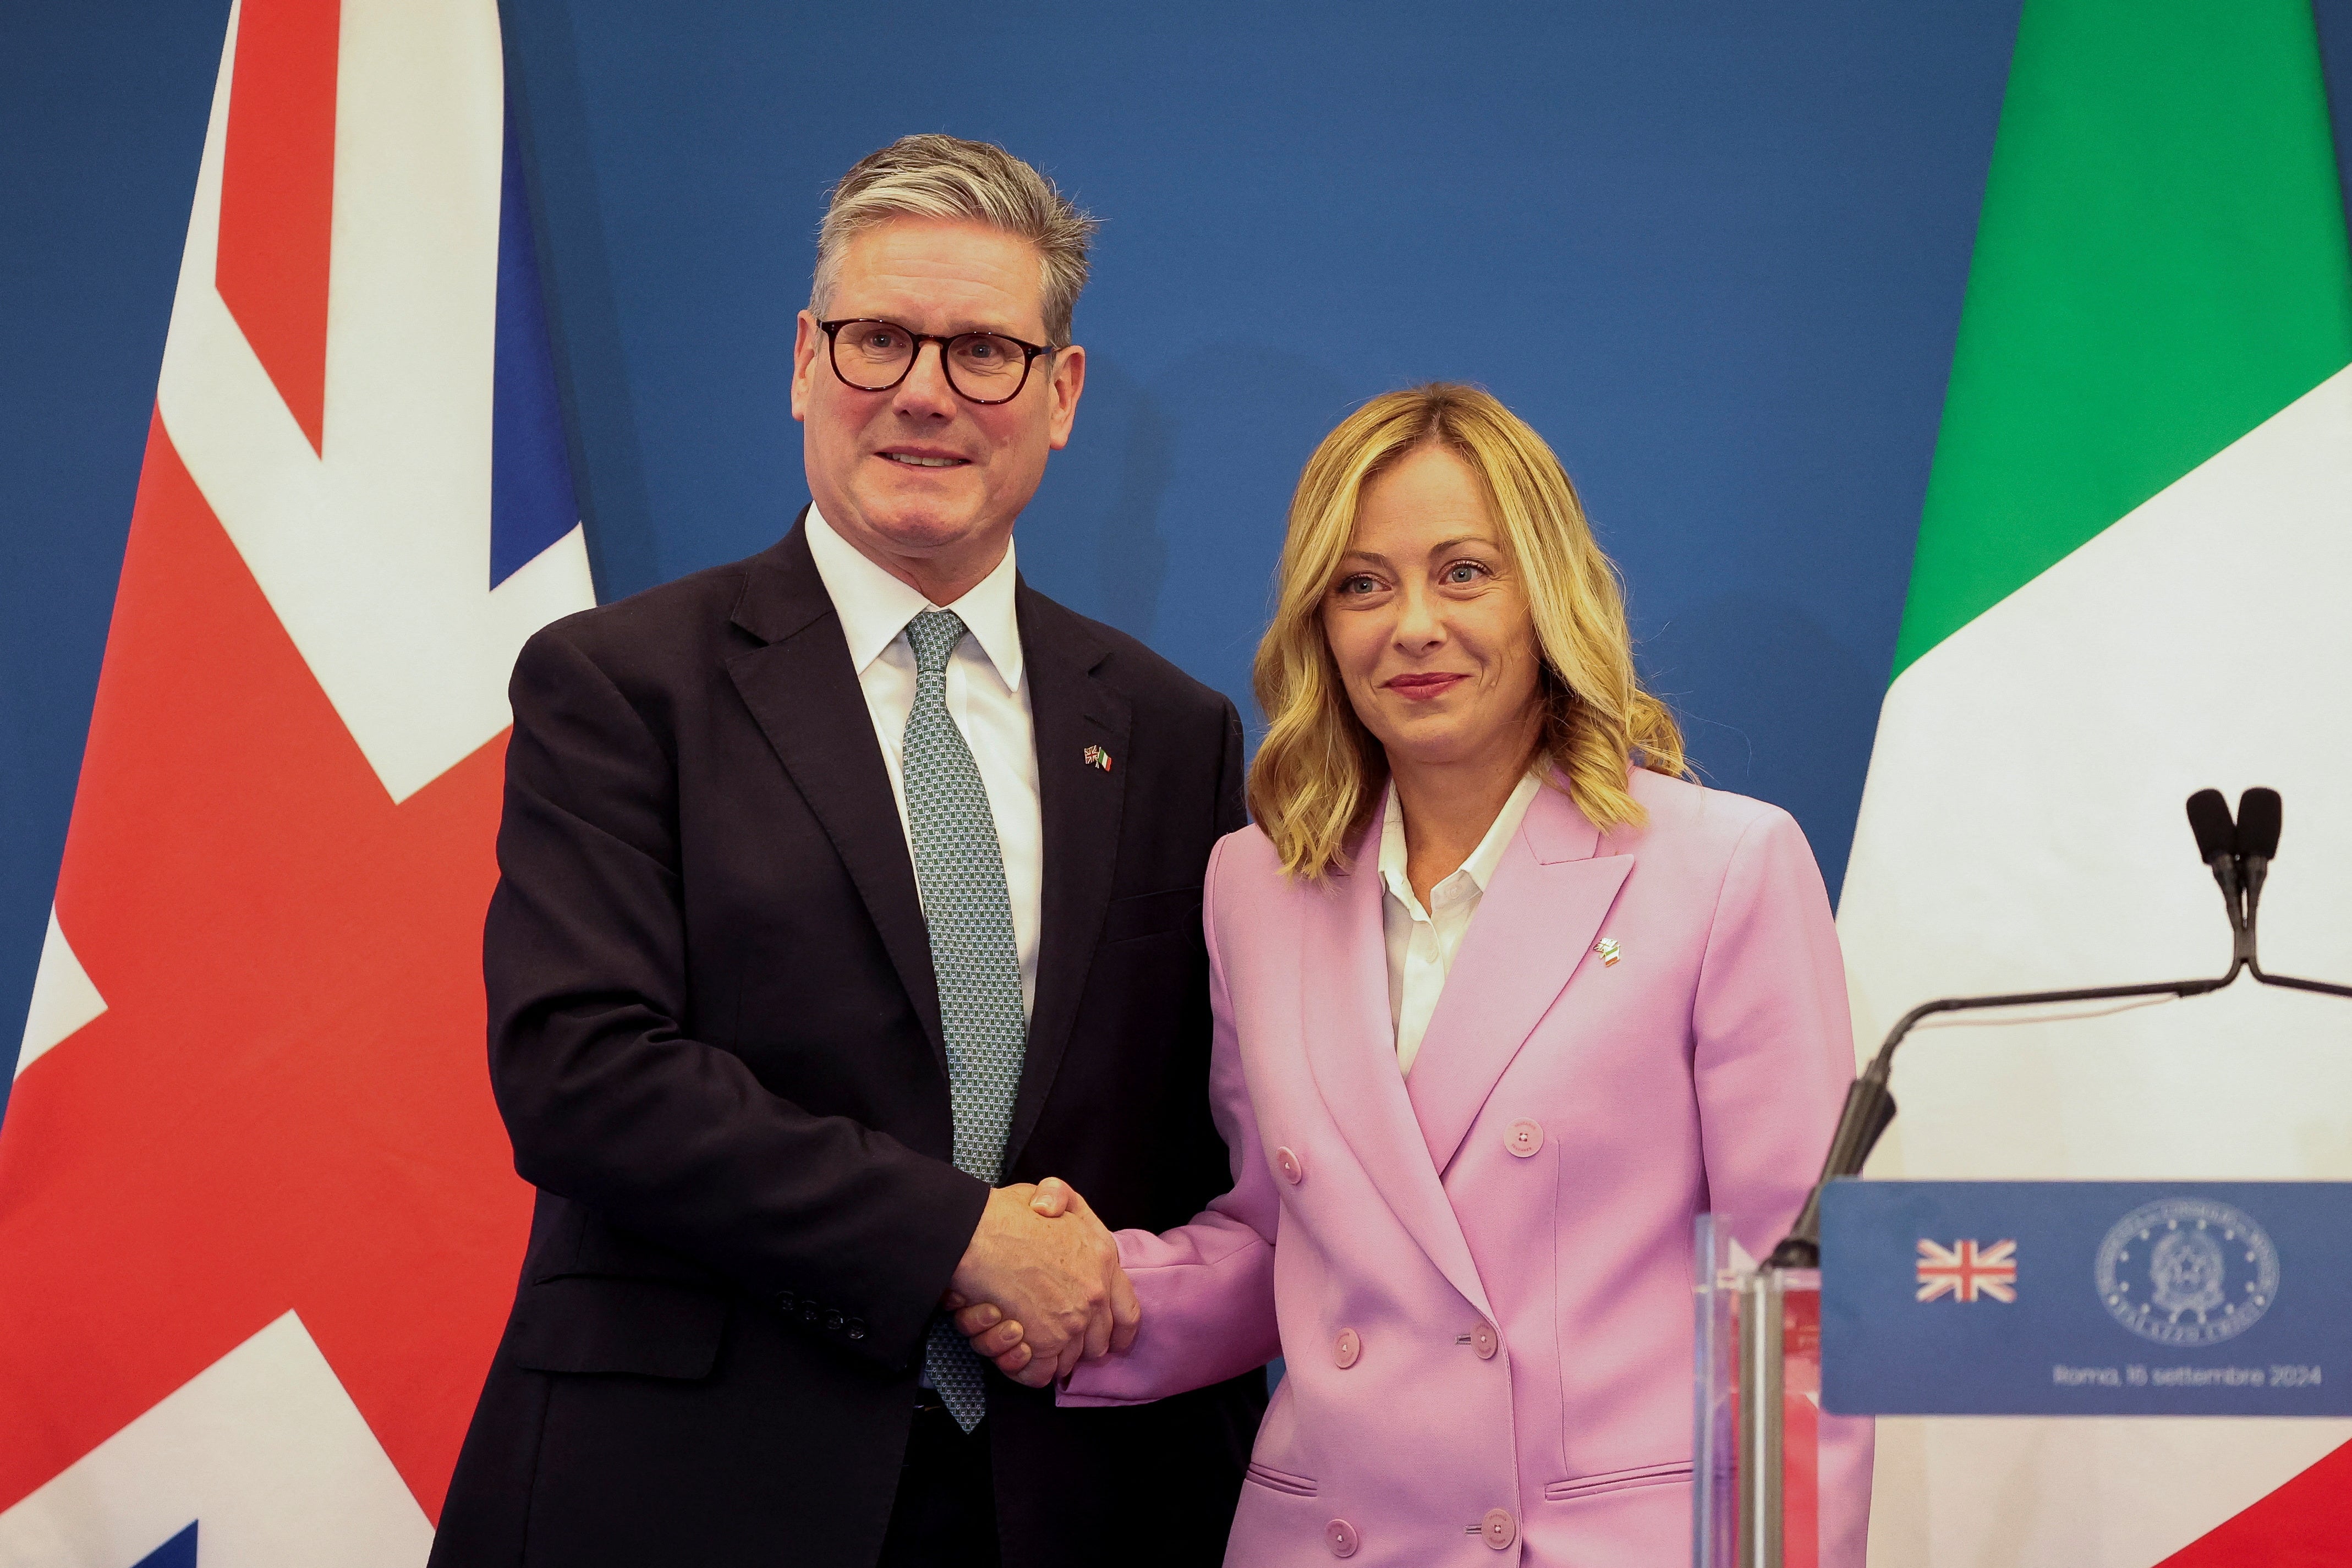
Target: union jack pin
(1096,757)
(1962,1270)
(1607,948)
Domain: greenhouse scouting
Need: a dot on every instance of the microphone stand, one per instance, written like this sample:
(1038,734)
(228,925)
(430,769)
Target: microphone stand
(2240,868)
(2257,867)
(2321,986)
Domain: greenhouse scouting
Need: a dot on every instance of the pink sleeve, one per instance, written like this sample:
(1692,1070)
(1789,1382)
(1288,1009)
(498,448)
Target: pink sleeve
(1206,1288)
(1772,1054)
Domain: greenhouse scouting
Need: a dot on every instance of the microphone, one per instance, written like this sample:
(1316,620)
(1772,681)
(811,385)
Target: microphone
(2208,819)
(2217,846)
(1870,1104)
(2259,814)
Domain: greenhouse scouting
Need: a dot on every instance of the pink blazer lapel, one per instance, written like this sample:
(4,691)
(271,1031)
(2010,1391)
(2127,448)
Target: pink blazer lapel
(1352,1050)
(1531,928)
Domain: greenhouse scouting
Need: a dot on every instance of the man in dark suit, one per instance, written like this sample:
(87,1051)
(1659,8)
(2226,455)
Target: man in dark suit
(846,891)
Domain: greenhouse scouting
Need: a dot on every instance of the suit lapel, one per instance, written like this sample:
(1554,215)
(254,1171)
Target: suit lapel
(1071,709)
(803,693)
(1532,928)
(1352,1049)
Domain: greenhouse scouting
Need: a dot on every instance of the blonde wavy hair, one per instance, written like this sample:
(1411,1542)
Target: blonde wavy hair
(1320,772)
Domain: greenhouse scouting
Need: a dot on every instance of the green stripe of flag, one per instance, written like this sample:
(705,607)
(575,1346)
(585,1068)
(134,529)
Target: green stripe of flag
(2160,268)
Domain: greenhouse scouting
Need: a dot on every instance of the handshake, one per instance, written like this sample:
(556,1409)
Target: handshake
(1039,1288)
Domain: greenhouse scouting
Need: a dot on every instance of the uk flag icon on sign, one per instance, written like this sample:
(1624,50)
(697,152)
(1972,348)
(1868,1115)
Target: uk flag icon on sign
(1963,1270)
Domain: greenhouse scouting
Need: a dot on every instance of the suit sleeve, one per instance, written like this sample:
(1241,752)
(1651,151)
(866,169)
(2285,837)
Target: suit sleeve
(1772,1054)
(1207,1287)
(1233,777)
(606,1098)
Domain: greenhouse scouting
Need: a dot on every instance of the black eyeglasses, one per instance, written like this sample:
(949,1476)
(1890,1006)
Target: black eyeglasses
(982,367)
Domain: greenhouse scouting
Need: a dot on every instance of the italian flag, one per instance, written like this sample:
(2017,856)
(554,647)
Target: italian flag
(2134,580)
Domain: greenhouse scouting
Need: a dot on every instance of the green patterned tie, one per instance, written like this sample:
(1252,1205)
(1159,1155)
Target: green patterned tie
(974,961)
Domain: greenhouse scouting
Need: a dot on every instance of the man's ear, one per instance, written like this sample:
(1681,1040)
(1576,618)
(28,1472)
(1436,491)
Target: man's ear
(807,337)
(1068,380)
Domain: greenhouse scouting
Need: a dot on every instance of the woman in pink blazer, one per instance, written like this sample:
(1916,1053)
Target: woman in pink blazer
(1502,1003)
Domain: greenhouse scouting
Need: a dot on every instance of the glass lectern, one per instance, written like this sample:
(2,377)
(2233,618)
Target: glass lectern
(1754,1493)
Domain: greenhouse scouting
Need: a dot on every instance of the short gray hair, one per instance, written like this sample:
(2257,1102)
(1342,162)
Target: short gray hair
(937,176)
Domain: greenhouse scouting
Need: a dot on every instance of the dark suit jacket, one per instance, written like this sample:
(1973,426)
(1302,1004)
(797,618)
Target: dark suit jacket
(715,1039)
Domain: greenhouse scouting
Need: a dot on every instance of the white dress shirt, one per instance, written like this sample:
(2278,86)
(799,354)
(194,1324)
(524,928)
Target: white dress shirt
(1422,942)
(985,698)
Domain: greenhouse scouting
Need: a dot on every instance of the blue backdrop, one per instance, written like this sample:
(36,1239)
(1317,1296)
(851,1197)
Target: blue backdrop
(1715,257)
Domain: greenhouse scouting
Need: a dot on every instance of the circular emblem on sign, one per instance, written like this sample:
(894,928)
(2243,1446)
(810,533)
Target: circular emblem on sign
(2186,1271)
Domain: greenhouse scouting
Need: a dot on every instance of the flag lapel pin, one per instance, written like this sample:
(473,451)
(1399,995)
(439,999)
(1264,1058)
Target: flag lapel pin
(1607,948)
(1096,757)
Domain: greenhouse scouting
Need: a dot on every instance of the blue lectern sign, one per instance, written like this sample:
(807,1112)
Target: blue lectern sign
(2087,1298)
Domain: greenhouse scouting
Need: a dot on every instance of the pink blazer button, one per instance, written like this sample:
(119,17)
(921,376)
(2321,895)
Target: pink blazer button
(1484,1340)
(1499,1528)
(1341,1538)
(1347,1349)
(1524,1139)
(1288,1165)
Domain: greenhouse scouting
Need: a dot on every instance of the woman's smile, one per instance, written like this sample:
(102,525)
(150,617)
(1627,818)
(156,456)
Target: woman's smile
(1421,686)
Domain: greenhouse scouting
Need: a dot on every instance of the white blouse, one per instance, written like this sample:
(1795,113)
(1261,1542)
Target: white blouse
(1422,942)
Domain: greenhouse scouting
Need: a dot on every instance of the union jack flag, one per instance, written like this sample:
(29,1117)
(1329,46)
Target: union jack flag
(1960,1270)
(259,1218)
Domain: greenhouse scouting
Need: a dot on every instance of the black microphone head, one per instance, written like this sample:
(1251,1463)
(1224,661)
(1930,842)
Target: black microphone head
(2258,823)
(2208,819)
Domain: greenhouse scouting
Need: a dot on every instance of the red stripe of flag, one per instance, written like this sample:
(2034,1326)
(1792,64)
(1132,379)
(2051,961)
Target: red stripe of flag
(277,196)
(2303,1524)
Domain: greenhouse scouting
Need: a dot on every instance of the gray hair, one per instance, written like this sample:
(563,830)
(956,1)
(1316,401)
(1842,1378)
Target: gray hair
(937,176)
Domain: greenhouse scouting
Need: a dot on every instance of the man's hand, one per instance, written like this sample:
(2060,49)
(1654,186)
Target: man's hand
(1040,1288)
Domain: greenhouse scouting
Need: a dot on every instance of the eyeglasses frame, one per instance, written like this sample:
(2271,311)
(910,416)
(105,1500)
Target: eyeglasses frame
(831,331)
